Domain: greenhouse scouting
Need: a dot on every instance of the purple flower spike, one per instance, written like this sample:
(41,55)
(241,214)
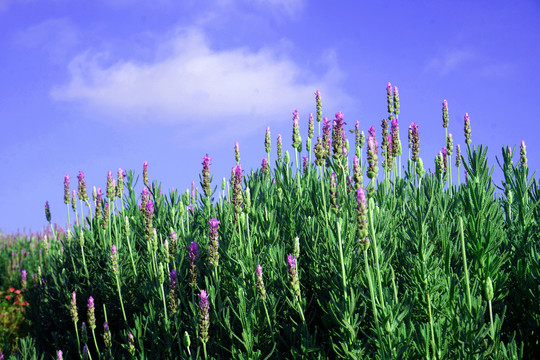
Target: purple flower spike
(193,259)
(83,195)
(279,148)
(206,175)
(213,247)
(114,259)
(467,129)
(111,186)
(91,313)
(319,106)
(73,308)
(59,355)
(264,165)
(260,283)
(296,140)
(445,113)
(47,212)
(523,154)
(145,173)
(204,319)
(66,189)
(237,152)
(214,223)
(293,274)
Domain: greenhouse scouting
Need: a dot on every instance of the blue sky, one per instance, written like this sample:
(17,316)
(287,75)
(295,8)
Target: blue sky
(98,85)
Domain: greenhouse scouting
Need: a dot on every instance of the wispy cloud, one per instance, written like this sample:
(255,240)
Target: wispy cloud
(448,61)
(197,84)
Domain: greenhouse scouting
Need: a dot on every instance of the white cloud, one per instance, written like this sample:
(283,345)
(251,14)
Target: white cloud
(449,61)
(195,84)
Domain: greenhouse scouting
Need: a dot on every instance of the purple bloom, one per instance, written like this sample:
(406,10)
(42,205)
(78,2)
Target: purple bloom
(23,279)
(91,313)
(415,138)
(83,195)
(237,189)
(372,155)
(458,156)
(213,247)
(396,143)
(264,165)
(357,173)
(467,129)
(107,337)
(304,163)
(214,223)
(296,140)
(293,274)
(204,319)
(145,173)
(120,186)
(193,259)
(131,344)
(73,308)
(260,283)
(59,355)
(310,127)
(237,152)
(319,106)
(449,144)
(523,154)
(47,212)
(267,141)
(114,259)
(66,189)
(111,186)
(206,175)
(445,113)
(390,101)
(396,100)
(149,208)
(338,138)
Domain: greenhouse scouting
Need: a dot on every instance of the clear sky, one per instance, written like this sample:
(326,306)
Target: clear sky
(98,85)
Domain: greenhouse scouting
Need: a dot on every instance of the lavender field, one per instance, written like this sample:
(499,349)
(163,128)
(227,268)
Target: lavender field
(344,247)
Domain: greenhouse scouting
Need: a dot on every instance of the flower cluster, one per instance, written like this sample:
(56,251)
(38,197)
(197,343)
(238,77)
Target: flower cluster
(237,189)
(114,260)
(83,195)
(445,113)
(279,148)
(99,203)
(91,313)
(66,189)
(173,302)
(372,155)
(396,143)
(267,141)
(357,173)
(467,129)
(47,212)
(458,156)
(107,337)
(237,152)
(213,247)
(111,186)
(264,166)
(396,101)
(390,101)
(384,144)
(293,274)
(120,185)
(449,145)
(206,180)
(361,214)
(73,308)
(145,173)
(338,136)
(319,106)
(204,319)
(389,153)
(415,140)
(260,283)
(296,139)
(193,259)
(523,154)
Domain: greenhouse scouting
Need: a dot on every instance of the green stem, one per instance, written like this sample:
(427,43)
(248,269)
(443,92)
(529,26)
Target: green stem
(371,290)
(375,247)
(120,296)
(431,327)
(343,274)
(464,253)
(95,342)
(131,255)
(492,328)
(164,307)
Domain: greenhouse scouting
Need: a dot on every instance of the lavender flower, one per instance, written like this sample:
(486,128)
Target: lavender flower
(384,145)
(449,145)
(293,274)
(357,143)
(260,283)
(107,337)
(47,212)
(396,101)
(445,163)
(73,201)
(99,203)
(66,189)
(311,129)
(390,101)
(320,152)
(467,129)
(145,173)
(24,274)
(389,154)
(172,245)
(364,243)
(84,333)
(319,106)
(439,165)
(91,313)
(396,142)
(237,189)
(357,173)
(83,195)
(59,355)
(279,148)
(213,247)
(338,136)
(264,166)
(458,156)
(296,139)
(445,113)
(105,219)
(372,155)
(73,308)
(267,141)
(85,355)
(193,259)
(114,260)
(111,186)
(131,344)
(173,302)
(523,154)
(120,186)
(206,175)
(237,152)
(204,319)
(304,164)
(415,141)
